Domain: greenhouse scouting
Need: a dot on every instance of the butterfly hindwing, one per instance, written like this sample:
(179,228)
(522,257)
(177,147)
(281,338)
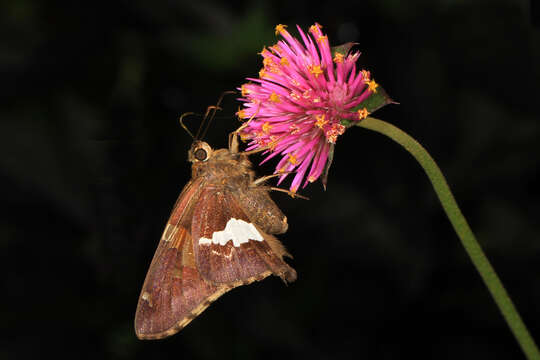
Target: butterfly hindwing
(228,247)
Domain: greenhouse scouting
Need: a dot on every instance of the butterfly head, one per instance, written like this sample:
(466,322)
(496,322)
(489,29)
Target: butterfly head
(199,152)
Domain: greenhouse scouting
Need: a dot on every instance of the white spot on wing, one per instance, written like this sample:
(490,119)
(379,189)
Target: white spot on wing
(239,231)
(146,296)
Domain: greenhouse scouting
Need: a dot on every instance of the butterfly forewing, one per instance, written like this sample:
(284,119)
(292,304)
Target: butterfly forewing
(174,292)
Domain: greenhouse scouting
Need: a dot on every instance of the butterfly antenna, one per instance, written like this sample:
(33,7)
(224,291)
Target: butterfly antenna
(184,126)
(210,114)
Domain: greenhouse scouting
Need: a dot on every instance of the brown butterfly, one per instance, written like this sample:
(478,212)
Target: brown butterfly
(219,236)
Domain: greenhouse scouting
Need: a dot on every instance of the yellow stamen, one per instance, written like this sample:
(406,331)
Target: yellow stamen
(338,58)
(266,127)
(264,51)
(267,62)
(315,70)
(284,61)
(241,114)
(244,90)
(292,159)
(372,85)
(280,28)
(262,73)
(294,95)
(320,121)
(311,179)
(273,142)
(315,29)
(334,132)
(244,136)
(322,37)
(273,68)
(365,75)
(363,113)
(274,98)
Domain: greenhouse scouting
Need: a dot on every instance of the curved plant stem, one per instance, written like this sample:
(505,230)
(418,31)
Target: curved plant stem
(463,230)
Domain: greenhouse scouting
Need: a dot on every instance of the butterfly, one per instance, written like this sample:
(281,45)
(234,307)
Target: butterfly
(220,235)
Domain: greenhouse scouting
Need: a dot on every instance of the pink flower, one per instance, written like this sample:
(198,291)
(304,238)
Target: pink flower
(295,108)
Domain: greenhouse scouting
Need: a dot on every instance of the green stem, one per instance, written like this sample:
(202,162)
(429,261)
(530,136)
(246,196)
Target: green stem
(463,230)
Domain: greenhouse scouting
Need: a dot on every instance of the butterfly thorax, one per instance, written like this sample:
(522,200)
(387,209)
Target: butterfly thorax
(220,167)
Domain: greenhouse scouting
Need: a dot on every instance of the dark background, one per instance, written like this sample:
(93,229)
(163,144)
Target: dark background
(92,159)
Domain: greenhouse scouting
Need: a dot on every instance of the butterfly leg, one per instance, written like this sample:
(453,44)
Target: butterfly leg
(262,179)
(292,194)
(233,137)
(234,143)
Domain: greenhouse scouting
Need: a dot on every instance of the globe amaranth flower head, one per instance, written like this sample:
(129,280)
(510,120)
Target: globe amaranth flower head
(295,107)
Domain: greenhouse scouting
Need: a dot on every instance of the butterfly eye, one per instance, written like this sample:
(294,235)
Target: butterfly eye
(200,151)
(200,154)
